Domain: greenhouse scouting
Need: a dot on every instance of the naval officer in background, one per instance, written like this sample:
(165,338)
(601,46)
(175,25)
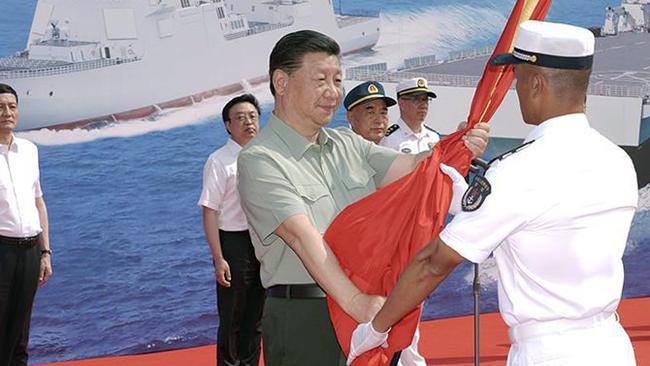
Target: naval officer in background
(367,110)
(557,219)
(240,295)
(25,255)
(410,135)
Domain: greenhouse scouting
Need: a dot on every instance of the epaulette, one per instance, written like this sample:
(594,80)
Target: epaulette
(431,129)
(392,129)
(510,152)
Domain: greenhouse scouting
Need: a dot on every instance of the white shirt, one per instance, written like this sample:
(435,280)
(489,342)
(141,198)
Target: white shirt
(557,220)
(403,139)
(220,187)
(19,188)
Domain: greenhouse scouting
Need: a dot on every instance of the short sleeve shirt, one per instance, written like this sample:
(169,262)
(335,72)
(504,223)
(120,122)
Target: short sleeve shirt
(220,187)
(282,174)
(557,221)
(19,187)
(404,140)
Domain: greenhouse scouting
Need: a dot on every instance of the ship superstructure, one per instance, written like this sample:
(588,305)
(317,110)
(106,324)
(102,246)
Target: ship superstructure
(630,16)
(98,60)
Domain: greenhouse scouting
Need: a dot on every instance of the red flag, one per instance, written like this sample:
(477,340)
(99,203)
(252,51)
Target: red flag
(375,238)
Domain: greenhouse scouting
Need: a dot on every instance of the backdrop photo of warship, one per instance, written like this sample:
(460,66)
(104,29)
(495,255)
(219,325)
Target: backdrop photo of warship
(123,98)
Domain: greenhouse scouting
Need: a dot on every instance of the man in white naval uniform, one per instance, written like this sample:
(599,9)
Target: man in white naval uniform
(557,219)
(410,135)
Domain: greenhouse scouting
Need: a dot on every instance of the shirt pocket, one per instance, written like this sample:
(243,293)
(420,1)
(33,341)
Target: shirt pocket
(319,203)
(359,183)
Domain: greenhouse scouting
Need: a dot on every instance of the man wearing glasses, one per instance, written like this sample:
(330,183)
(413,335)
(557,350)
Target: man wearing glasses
(410,135)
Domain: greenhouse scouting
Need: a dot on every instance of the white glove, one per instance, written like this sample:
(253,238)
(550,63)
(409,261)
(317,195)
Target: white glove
(459,186)
(365,338)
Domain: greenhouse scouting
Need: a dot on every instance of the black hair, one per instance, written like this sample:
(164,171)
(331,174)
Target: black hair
(6,89)
(244,98)
(288,53)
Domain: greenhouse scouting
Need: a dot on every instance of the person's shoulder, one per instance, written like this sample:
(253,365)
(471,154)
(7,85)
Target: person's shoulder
(430,129)
(264,141)
(25,144)
(348,138)
(217,157)
(342,133)
(519,163)
(391,129)
(266,146)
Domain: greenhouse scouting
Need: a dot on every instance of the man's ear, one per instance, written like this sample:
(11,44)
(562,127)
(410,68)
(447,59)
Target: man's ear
(280,79)
(349,117)
(538,85)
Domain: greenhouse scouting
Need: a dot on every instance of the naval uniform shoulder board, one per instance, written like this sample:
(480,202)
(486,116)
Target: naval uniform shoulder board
(480,188)
(510,152)
(431,129)
(392,129)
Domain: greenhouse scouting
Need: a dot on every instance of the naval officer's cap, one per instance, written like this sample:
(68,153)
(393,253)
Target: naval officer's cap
(414,86)
(553,45)
(365,92)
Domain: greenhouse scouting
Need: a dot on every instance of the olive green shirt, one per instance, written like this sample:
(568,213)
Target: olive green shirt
(282,174)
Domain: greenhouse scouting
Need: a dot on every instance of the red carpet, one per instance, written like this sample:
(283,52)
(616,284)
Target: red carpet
(444,342)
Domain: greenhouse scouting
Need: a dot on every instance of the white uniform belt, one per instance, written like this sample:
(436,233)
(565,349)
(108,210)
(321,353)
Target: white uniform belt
(526,331)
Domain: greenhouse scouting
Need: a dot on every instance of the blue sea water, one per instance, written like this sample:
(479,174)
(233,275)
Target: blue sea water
(132,269)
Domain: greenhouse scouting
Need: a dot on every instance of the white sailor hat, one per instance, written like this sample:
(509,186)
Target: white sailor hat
(554,45)
(414,86)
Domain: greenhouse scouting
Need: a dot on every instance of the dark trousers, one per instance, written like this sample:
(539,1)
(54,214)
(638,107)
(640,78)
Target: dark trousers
(19,270)
(240,306)
(298,332)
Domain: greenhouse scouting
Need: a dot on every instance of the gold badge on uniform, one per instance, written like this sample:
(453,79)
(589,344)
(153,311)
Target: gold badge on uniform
(372,89)
(533,58)
(421,83)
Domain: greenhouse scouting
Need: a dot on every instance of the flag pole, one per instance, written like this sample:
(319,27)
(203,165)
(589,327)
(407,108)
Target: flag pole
(477,314)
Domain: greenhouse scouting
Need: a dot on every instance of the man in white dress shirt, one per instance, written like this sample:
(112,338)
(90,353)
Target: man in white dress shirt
(25,256)
(556,220)
(410,135)
(240,295)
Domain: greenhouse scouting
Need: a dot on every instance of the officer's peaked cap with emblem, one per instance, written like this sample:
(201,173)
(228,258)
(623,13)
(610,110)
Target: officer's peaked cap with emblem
(365,92)
(413,87)
(553,45)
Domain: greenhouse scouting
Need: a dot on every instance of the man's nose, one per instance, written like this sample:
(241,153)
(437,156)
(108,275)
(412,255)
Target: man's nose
(332,90)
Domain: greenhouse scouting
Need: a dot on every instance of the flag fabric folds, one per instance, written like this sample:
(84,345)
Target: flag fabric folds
(375,238)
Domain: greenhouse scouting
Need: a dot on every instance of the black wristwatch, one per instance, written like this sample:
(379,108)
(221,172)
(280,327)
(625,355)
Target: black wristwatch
(46,251)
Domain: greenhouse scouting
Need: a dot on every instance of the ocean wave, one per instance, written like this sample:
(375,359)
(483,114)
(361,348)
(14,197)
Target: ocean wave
(644,199)
(488,274)
(164,120)
(435,30)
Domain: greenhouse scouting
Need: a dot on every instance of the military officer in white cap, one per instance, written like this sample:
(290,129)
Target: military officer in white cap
(410,135)
(555,214)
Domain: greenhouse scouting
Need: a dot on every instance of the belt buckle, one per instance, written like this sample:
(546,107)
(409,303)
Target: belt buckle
(26,241)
